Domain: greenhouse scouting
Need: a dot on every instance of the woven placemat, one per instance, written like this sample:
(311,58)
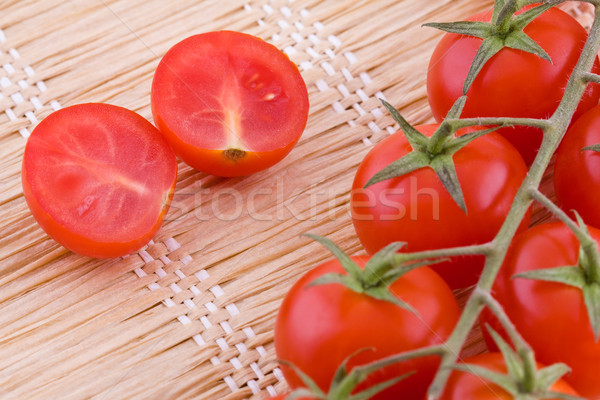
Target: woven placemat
(191,315)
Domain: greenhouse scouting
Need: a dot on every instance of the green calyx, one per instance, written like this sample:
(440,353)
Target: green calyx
(434,152)
(343,384)
(375,278)
(585,275)
(505,30)
(523,380)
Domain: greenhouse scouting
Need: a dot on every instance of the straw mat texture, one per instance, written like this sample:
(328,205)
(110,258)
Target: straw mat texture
(191,315)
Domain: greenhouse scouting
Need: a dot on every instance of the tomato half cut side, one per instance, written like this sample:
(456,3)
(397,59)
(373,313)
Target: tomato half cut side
(98,179)
(230,104)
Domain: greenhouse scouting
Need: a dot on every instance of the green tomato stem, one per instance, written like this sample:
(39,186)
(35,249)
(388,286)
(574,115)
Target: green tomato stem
(479,249)
(366,369)
(524,3)
(505,16)
(438,139)
(591,266)
(501,121)
(496,308)
(444,131)
(590,77)
(553,134)
(522,347)
(529,370)
(558,212)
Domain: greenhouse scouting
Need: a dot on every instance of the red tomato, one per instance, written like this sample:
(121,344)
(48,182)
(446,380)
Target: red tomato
(284,396)
(318,327)
(577,172)
(463,385)
(98,179)
(552,317)
(418,210)
(513,83)
(229,103)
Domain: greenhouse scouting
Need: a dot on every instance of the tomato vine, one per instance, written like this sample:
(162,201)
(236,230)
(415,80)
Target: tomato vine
(525,377)
(495,251)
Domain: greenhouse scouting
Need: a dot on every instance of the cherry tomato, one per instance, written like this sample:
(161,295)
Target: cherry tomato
(229,103)
(463,385)
(98,179)
(318,327)
(552,317)
(418,210)
(513,83)
(577,172)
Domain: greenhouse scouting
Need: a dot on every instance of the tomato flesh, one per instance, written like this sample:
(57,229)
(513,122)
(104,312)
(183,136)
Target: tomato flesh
(98,179)
(229,103)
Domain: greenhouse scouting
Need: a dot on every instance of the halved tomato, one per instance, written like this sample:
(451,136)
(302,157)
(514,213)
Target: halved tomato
(98,179)
(229,103)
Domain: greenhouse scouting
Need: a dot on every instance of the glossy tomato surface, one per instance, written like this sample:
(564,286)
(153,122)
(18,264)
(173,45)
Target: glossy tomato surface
(229,103)
(466,386)
(513,83)
(552,317)
(98,179)
(577,172)
(417,209)
(318,327)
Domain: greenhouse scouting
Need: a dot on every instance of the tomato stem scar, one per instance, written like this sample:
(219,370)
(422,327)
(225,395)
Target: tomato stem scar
(234,154)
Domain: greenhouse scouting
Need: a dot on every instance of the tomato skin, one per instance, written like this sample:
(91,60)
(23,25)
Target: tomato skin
(225,90)
(539,84)
(463,385)
(576,172)
(98,179)
(552,317)
(417,209)
(318,327)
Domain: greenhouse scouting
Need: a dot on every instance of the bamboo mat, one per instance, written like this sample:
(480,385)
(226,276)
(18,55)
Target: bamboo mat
(192,314)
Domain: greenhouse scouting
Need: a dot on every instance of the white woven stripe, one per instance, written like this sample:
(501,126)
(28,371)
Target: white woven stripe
(328,67)
(217,291)
(17,97)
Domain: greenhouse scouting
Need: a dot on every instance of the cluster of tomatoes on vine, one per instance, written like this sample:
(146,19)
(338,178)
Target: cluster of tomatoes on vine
(428,187)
